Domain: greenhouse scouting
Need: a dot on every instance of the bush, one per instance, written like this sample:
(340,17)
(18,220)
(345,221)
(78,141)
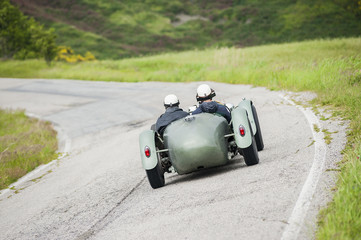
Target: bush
(24,38)
(67,54)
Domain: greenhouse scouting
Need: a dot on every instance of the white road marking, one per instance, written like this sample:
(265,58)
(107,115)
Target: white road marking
(295,222)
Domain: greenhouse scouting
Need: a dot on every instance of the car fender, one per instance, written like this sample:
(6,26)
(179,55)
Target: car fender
(147,139)
(239,117)
(247,104)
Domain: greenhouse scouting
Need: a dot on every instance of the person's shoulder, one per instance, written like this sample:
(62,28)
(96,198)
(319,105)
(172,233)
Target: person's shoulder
(180,110)
(223,108)
(219,103)
(184,113)
(160,117)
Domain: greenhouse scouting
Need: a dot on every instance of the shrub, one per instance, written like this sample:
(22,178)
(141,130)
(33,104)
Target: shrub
(22,37)
(67,54)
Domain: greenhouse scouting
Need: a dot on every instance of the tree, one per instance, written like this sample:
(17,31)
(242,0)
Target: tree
(22,37)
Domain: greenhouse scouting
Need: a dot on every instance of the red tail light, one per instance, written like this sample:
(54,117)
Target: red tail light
(147,151)
(242,130)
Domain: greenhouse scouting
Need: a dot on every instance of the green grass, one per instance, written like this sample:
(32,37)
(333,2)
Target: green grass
(330,68)
(342,218)
(119,29)
(25,143)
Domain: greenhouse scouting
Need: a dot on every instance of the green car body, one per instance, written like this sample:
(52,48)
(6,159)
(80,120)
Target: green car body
(197,142)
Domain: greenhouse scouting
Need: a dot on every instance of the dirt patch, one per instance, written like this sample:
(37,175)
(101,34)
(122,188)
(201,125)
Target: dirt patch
(183,18)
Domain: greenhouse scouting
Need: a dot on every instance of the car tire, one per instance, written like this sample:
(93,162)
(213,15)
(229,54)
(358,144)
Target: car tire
(156,176)
(250,154)
(258,135)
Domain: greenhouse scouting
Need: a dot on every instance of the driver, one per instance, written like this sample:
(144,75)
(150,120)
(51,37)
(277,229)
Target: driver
(204,97)
(172,113)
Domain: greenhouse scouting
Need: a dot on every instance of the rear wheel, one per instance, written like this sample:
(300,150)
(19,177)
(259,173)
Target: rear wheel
(250,154)
(156,175)
(258,135)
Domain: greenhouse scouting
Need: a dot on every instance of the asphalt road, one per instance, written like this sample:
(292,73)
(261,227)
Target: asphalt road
(98,190)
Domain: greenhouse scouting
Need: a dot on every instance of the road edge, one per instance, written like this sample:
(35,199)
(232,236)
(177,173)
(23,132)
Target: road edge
(296,220)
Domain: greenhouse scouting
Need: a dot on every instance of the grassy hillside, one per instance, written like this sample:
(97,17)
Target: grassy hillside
(331,68)
(113,29)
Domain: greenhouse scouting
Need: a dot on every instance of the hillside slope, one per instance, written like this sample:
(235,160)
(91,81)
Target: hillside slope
(117,29)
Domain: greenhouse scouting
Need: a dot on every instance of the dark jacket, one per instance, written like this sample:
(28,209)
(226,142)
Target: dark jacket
(214,107)
(171,114)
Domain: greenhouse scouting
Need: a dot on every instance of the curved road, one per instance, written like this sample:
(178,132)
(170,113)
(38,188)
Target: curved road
(98,190)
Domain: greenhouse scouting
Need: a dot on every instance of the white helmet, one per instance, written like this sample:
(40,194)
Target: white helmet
(204,92)
(171,100)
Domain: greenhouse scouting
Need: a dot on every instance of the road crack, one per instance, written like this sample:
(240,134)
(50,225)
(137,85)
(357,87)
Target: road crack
(104,221)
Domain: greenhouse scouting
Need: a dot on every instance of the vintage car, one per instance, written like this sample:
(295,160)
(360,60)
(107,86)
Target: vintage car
(201,141)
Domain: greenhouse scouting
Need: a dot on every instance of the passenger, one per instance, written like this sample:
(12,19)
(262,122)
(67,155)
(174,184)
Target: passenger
(172,113)
(204,96)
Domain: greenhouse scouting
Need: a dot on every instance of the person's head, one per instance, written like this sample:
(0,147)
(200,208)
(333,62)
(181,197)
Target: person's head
(171,100)
(204,93)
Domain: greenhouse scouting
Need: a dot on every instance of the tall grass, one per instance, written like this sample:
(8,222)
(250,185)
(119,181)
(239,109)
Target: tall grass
(25,143)
(342,218)
(331,68)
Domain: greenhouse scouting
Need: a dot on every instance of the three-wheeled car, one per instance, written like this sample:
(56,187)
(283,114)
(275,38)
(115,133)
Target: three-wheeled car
(201,141)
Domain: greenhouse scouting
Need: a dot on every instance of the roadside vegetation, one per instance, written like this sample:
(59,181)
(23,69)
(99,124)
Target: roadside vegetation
(128,28)
(25,143)
(330,68)
(22,37)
